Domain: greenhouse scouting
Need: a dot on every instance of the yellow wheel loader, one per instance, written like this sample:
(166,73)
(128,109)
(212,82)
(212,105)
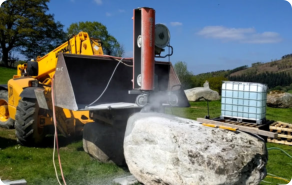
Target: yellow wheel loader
(18,102)
(92,89)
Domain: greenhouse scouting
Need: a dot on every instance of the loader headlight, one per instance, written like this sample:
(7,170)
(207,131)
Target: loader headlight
(33,83)
(162,36)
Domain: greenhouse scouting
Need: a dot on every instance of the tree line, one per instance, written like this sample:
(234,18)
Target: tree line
(271,79)
(287,56)
(282,81)
(27,28)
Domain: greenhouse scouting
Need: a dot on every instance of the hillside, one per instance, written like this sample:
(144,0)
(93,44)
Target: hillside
(277,66)
(276,74)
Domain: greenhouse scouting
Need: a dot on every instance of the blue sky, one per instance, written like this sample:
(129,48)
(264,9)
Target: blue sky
(208,35)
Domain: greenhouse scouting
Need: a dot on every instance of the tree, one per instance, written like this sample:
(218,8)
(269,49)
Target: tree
(25,26)
(183,74)
(97,30)
(215,83)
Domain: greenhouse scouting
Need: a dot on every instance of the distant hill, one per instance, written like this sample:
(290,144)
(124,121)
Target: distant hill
(275,74)
(277,66)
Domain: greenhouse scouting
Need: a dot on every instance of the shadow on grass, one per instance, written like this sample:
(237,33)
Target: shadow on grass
(48,141)
(5,142)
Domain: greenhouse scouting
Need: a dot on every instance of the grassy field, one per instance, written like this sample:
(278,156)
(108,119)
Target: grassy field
(6,74)
(35,163)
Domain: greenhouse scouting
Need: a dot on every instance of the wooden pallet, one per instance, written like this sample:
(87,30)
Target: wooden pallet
(284,142)
(284,131)
(247,124)
(240,126)
(238,120)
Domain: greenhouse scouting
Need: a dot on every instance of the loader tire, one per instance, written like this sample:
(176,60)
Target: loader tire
(5,120)
(26,123)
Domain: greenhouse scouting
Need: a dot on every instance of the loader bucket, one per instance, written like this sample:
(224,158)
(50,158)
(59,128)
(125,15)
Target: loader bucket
(81,79)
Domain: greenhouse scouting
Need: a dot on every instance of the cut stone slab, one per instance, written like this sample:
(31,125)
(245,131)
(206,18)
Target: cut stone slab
(163,149)
(279,99)
(128,180)
(196,93)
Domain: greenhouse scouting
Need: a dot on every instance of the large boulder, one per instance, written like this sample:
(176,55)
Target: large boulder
(163,149)
(197,93)
(279,99)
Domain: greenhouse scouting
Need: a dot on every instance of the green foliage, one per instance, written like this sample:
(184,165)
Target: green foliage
(273,63)
(238,69)
(271,79)
(287,56)
(285,64)
(183,74)
(198,80)
(215,83)
(26,27)
(256,64)
(21,62)
(282,88)
(97,30)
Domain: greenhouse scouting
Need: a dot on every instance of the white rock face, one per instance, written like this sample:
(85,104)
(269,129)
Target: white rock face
(196,93)
(279,99)
(162,149)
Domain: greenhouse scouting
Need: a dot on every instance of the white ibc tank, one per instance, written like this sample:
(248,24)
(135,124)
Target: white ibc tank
(244,100)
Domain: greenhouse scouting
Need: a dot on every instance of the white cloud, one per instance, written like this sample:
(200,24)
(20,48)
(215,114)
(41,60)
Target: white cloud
(242,35)
(265,37)
(175,23)
(121,10)
(108,14)
(99,2)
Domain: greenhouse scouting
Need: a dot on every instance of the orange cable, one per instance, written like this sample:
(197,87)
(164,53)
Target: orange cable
(56,133)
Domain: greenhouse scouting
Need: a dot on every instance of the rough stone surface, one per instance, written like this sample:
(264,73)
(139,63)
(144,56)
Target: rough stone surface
(128,180)
(163,149)
(279,99)
(95,151)
(196,93)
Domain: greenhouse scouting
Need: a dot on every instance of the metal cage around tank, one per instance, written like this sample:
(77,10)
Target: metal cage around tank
(244,101)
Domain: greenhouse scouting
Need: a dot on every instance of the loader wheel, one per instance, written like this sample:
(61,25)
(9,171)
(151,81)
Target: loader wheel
(27,131)
(5,120)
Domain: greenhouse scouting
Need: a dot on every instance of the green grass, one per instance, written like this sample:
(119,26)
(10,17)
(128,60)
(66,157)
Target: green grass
(290,91)
(35,164)
(6,74)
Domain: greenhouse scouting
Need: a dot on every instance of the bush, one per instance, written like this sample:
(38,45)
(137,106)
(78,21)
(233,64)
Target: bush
(183,74)
(215,83)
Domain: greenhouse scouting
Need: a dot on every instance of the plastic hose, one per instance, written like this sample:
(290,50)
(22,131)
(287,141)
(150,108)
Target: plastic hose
(56,133)
(275,176)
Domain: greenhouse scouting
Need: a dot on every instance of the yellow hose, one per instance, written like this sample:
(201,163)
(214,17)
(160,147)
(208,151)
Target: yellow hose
(278,178)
